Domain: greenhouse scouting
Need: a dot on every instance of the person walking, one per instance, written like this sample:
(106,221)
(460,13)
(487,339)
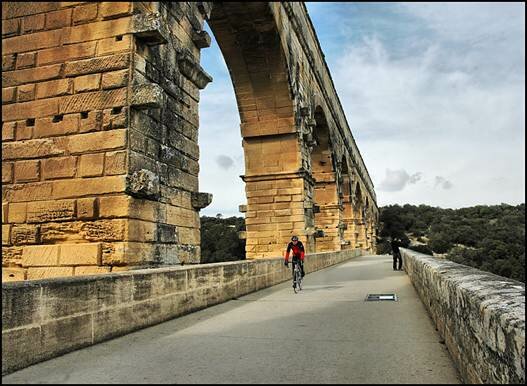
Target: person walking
(396,253)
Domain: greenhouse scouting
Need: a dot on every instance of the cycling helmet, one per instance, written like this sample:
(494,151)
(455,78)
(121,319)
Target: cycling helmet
(294,238)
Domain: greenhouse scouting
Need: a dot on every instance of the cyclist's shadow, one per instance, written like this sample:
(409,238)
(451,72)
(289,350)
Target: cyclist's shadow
(314,287)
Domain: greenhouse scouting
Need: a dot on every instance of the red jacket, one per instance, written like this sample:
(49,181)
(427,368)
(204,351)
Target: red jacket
(298,250)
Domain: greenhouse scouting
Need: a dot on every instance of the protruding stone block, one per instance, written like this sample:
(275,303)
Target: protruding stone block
(147,96)
(242,208)
(149,28)
(192,70)
(143,183)
(201,39)
(200,200)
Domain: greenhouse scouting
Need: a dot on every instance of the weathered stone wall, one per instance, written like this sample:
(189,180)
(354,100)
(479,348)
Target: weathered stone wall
(90,138)
(42,319)
(481,317)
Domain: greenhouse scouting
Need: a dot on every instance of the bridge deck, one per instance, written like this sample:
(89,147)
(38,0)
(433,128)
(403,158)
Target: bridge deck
(325,334)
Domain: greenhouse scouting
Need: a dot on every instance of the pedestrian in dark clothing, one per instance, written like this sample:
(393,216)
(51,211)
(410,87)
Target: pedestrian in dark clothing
(396,253)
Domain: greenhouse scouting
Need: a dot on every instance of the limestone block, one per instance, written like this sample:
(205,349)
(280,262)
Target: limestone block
(95,30)
(92,101)
(91,270)
(10,27)
(40,255)
(28,191)
(114,206)
(13,274)
(141,231)
(35,273)
(26,92)
(87,208)
(66,53)
(31,42)
(6,234)
(167,233)
(96,65)
(85,13)
(115,79)
(90,121)
(54,88)
(98,185)
(25,234)
(24,130)
(114,118)
(15,78)
(25,60)
(33,23)
(114,45)
(143,183)
(5,207)
(91,165)
(98,141)
(16,212)
(27,171)
(44,211)
(80,254)
(58,19)
(31,110)
(112,9)
(88,82)
(8,131)
(35,148)
(59,167)
(8,63)
(7,172)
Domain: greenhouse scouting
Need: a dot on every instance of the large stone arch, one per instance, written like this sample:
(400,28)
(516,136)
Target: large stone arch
(326,195)
(250,40)
(100,157)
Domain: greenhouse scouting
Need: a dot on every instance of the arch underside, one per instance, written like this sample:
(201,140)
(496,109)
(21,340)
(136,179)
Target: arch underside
(277,182)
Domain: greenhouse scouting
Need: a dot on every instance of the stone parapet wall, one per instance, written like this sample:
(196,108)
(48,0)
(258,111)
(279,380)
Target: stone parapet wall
(481,317)
(42,319)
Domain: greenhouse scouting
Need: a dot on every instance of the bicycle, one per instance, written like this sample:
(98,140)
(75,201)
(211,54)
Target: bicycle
(297,277)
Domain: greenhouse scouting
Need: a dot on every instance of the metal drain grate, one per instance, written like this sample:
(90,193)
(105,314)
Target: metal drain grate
(377,297)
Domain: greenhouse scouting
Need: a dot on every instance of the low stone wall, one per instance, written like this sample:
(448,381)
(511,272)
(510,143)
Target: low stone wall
(481,317)
(42,319)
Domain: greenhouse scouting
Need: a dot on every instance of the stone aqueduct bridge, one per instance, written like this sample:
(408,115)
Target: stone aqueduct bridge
(100,135)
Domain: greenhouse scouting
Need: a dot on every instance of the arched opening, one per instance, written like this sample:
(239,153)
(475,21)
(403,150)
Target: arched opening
(357,217)
(222,226)
(249,40)
(325,196)
(347,205)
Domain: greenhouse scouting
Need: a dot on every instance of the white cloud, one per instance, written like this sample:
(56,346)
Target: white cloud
(422,110)
(396,180)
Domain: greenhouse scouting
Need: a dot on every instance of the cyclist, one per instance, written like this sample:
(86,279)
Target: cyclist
(298,254)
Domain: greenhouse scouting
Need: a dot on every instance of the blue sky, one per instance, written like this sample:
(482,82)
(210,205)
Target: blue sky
(434,94)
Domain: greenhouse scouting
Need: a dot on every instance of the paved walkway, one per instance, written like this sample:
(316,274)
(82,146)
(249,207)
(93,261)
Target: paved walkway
(325,334)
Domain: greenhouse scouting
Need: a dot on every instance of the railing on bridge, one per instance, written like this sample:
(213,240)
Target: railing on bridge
(481,317)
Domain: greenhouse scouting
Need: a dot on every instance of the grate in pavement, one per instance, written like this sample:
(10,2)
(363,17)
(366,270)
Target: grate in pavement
(377,297)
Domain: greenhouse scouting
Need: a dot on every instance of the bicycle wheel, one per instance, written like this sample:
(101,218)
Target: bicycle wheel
(298,280)
(295,280)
